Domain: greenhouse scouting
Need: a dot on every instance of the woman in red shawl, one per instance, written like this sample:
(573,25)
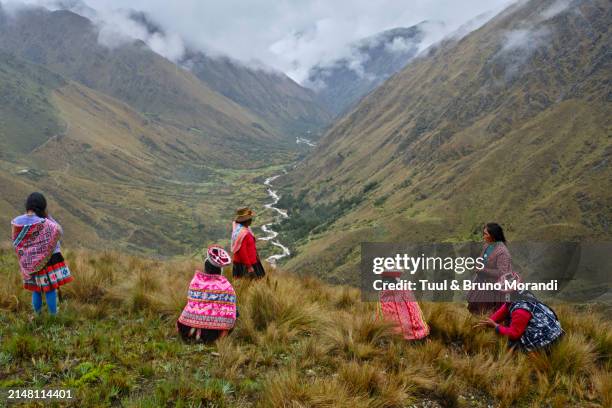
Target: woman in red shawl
(245,259)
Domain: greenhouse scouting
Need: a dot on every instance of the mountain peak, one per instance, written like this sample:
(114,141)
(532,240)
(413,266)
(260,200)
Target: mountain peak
(341,83)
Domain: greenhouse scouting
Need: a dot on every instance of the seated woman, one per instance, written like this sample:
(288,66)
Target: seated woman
(36,239)
(211,301)
(528,323)
(401,308)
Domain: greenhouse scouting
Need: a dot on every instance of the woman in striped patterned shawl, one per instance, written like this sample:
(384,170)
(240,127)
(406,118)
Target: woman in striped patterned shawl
(210,312)
(36,239)
(400,308)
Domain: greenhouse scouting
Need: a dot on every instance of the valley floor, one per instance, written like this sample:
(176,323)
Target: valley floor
(299,343)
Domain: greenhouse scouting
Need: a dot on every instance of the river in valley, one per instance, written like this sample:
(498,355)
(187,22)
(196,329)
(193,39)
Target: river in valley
(281,214)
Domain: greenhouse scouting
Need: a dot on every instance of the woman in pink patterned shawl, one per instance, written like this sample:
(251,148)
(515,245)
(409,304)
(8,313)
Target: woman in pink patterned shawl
(36,238)
(210,312)
(401,308)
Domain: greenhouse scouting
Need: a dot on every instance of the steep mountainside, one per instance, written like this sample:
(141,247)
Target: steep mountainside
(26,108)
(113,177)
(128,147)
(287,106)
(67,44)
(290,108)
(340,84)
(511,123)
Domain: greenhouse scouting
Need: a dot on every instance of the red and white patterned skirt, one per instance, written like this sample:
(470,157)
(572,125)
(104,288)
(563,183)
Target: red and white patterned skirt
(51,277)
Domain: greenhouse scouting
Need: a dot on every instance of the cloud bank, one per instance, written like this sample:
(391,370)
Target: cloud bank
(288,35)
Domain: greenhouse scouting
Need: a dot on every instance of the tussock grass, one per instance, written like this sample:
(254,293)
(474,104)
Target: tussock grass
(289,389)
(298,343)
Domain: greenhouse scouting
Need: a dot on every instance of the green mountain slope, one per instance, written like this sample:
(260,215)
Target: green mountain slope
(129,148)
(113,176)
(27,116)
(67,43)
(511,123)
(290,108)
(287,106)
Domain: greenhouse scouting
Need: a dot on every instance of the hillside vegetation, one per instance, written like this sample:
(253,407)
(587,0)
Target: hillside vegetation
(509,124)
(132,150)
(298,343)
(114,178)
(27,109)
(290,109)
(129,71)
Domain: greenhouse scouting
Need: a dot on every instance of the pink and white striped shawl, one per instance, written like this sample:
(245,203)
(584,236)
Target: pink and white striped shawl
(402,309)
(211,303)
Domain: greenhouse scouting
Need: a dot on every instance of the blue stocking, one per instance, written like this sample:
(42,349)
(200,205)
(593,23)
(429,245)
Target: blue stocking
(51,298)
(37,301)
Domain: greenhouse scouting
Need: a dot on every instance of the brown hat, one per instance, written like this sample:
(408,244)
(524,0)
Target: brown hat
(243,214)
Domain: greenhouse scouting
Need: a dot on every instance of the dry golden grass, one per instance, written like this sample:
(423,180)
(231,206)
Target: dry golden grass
(298,343)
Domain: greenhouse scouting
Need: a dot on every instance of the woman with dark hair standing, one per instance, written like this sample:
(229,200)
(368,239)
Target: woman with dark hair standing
(497,262)
(36,239)
(245,259)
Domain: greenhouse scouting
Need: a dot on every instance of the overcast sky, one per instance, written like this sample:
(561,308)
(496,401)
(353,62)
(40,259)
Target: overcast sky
(288,35)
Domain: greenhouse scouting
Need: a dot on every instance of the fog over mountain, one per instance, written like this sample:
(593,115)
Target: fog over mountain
(341,83)
(291,37)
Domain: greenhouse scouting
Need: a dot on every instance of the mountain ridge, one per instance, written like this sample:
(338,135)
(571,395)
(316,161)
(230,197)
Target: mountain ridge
(340,84)
(420,151)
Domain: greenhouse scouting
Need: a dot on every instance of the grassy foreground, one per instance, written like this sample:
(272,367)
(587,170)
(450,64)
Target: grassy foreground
(298,343)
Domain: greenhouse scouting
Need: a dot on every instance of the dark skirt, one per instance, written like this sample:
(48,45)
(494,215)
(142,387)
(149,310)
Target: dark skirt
(51,277)
(190,334)
(485,301)
(240,271)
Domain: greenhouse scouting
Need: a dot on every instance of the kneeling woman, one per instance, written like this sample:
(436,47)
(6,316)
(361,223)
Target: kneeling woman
(211,301)
(528,323)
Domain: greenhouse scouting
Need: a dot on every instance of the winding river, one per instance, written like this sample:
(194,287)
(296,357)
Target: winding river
(281,214)
(267,228)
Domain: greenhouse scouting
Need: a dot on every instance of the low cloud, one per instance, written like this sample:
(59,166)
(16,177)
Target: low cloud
(555,9)
(518,46)
(118,26)
(399,45)
(525,40)
(286,35)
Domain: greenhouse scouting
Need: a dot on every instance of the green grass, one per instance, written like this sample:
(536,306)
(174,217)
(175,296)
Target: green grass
(299,343)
